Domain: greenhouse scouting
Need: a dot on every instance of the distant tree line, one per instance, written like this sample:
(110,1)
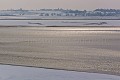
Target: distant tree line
(97,12)
(62,12)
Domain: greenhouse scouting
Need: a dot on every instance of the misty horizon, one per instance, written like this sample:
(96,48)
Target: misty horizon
(76,4)
(56,8)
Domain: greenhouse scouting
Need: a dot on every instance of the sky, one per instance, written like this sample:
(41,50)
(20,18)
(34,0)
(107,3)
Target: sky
(66,4)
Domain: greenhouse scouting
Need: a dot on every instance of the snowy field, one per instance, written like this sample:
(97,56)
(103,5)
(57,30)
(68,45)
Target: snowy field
(26,73)
(59,22)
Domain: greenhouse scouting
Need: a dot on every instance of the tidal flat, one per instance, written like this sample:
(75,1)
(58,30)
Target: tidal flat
(75,49)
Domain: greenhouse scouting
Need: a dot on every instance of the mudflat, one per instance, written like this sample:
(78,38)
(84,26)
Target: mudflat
(62,48)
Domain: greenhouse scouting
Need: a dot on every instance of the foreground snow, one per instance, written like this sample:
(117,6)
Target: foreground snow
(26,73)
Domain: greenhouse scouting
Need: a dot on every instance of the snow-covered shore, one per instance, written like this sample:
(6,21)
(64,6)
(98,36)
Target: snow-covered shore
(8,72)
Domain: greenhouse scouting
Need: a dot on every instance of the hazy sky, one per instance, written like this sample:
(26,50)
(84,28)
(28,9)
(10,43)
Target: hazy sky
(67,4)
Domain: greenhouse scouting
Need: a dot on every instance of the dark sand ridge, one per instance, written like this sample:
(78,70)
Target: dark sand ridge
(62,48)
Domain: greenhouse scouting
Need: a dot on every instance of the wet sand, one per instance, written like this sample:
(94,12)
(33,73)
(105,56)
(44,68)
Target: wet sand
(62,48)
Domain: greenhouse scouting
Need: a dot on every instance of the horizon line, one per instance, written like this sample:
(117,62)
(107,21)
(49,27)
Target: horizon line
(58,9)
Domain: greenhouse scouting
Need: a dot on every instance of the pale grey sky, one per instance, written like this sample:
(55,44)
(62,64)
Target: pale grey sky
(67,4)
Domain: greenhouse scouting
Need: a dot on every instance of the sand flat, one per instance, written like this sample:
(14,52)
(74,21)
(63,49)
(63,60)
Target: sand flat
(62,48)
